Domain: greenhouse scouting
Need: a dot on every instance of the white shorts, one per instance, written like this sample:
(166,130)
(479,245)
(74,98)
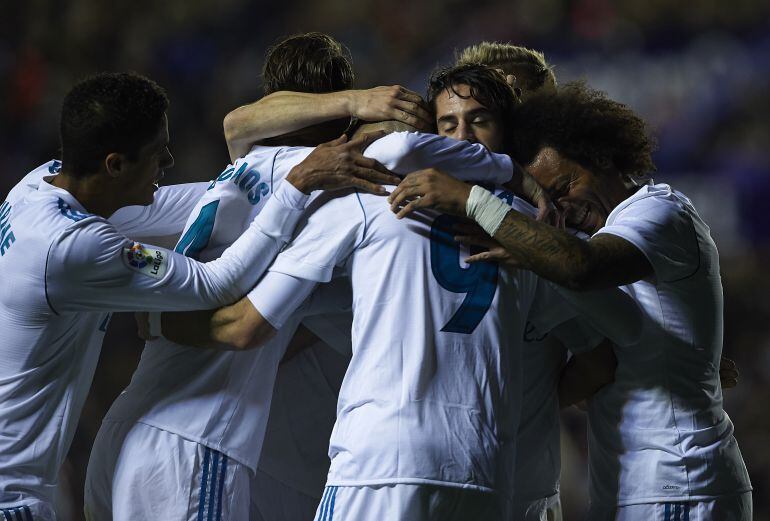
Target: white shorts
(140,472)
(542,509)
(724,508)
(407,503)
(273,500)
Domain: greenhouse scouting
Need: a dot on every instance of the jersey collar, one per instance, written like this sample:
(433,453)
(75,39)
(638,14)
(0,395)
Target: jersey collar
(47,188)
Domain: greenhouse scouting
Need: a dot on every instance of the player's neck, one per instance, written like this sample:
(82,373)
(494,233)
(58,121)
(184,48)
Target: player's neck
(90,191)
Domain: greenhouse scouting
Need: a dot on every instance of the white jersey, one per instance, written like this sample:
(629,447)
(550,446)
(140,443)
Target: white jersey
(64,270)
(166,215)
(659,433)
(430,397)
(538,443)
(302,415)
(213,397)
(538,457)
(538,447)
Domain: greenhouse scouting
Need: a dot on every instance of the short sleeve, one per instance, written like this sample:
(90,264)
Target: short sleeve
(278,296)
(333,228)
(661,227)
(328,314)
(332,297)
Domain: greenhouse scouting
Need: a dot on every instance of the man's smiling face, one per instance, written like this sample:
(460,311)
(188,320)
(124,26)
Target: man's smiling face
(586,198)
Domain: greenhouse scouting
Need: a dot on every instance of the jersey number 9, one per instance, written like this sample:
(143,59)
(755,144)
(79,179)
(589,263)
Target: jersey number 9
(479,281)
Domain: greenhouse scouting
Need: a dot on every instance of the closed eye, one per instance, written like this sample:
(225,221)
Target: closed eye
(563,187)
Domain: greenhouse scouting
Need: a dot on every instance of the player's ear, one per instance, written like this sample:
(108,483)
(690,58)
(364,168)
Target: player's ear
(114,163)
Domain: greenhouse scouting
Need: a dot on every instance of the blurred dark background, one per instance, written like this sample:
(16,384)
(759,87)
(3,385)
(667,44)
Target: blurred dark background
(699,72)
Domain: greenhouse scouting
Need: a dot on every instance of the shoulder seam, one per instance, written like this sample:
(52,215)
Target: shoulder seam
(45,280)
(366,224)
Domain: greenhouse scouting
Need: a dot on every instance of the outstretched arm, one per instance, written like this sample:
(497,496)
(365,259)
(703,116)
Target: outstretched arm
(235,327)
(604,261)
(285,111)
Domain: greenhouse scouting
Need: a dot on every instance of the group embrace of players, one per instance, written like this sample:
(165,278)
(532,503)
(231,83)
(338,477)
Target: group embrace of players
(376,325)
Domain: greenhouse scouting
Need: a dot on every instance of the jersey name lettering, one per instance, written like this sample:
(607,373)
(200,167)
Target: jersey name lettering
(6,234)
(246,180)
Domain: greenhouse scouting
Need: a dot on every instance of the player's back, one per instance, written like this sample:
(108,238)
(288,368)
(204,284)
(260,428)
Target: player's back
(173,380)
(48,356)
(201,394)
(426,398)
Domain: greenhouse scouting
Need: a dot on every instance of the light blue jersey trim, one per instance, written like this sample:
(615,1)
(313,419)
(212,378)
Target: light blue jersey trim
(366,224)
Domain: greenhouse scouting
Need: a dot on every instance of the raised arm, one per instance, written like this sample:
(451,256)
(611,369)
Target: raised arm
(96,268)
(283,112)
(407,152)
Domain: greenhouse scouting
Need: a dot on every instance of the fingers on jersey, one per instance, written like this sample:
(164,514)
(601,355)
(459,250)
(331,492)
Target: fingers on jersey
(429,188)
(340,164)
(334,142)
(471,234)
(360,143)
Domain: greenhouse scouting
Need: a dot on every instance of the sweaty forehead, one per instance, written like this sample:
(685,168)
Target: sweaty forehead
(547,167)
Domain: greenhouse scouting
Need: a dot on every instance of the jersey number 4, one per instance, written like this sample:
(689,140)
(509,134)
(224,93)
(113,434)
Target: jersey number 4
(197,236)
(478,281)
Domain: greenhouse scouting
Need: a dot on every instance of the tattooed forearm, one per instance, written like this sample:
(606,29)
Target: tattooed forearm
(601,262)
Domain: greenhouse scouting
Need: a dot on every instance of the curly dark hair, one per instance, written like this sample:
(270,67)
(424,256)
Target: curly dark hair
(105,113)
(310,62)
(584,125)
(487,86)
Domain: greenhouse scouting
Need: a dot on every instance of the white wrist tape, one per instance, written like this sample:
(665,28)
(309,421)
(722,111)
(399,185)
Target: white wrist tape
(155,325)
(486,209)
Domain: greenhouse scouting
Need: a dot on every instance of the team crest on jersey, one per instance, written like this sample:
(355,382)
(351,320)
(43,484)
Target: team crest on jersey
(147,261)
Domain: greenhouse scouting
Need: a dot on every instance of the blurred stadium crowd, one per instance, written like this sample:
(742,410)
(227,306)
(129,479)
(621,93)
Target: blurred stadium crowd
(698,72)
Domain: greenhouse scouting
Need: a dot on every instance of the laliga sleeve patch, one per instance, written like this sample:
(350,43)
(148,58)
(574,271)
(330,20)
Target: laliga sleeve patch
(147,261)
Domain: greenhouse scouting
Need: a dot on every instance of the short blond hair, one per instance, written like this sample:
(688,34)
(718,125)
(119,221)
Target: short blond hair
(528,65)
